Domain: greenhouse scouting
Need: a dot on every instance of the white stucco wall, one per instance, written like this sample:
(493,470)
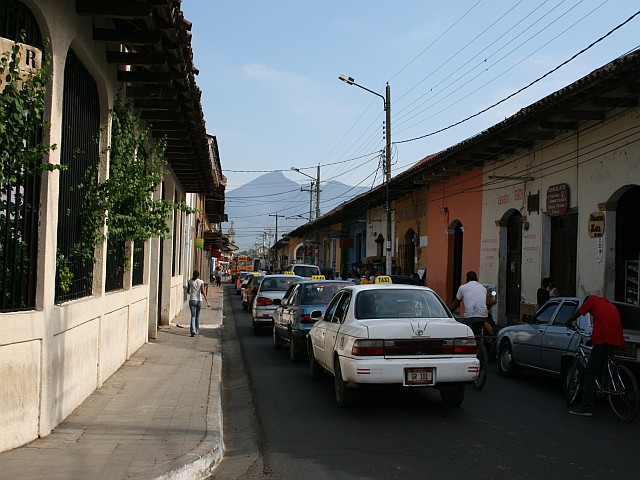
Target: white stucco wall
(54,357)
(594,163)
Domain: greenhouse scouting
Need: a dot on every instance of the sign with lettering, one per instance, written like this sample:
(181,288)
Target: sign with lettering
(596,224)
(557,199)
(30,58)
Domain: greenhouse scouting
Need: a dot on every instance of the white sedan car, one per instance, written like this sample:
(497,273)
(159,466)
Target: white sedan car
(400,335)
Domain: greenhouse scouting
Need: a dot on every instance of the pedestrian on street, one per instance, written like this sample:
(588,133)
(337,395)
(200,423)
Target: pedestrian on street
(553,290)
(542,295)
(196,291)
(217,276)
(474,296)
(605,337)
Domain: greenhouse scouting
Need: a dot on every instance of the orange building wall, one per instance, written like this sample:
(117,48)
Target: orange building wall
(458,199)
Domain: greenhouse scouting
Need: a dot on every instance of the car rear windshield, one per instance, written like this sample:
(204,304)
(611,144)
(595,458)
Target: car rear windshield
(305,271)
(277,284)
(320,293)
(396,303)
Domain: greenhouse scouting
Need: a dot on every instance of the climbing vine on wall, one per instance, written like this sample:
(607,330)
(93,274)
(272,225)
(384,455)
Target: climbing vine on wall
(124,202)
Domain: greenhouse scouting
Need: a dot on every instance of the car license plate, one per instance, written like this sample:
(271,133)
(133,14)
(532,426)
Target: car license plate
(418,376)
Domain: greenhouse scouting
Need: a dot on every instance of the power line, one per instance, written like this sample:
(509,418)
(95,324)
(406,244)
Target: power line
(573,57)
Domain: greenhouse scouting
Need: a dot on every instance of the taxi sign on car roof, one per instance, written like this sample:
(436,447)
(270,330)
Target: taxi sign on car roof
(383,279)
(317,277)
(289,272)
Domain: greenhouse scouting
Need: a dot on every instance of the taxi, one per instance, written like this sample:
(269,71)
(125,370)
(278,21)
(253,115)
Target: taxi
(395,335)
(292,317)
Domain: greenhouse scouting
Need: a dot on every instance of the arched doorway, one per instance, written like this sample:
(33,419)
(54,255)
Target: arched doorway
(513,267)
(455,257)
(627,244)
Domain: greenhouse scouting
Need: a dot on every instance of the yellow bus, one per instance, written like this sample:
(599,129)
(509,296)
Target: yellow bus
(242,263)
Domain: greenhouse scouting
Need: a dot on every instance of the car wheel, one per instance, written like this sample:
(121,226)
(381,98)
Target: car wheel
(452,396)
(315,370)
(277,341)
(506,366)
(345,397)
(294,353)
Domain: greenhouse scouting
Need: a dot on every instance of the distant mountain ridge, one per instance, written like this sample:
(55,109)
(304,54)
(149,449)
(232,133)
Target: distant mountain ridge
(249,206)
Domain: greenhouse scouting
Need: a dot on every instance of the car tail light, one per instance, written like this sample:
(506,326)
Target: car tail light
(370,347)
(263,301)
(307,319)
(460,345)
(419,347)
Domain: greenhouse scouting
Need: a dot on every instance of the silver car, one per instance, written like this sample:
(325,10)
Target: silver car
(272,286)
(544,344)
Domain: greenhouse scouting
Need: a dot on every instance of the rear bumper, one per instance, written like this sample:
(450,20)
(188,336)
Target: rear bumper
(392,371)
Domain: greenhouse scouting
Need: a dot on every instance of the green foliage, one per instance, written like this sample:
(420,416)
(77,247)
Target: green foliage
(22,154)
(22,104)
(125,200)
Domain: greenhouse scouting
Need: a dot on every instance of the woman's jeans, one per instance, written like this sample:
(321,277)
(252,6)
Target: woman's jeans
(194,306)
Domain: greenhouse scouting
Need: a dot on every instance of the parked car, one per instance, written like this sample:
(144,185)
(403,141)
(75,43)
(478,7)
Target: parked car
(272,286)
(303,270)
(292,317)
(544,344)
(394,335)
(249,293)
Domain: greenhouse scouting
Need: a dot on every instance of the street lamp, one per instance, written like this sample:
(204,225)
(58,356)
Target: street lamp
(317,183)
(387,110)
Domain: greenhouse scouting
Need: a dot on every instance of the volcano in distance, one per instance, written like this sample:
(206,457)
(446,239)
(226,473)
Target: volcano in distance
(252,207)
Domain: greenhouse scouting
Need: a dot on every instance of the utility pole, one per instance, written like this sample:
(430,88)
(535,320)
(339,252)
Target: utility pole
(387,109)
(310,190)
(276,239)
(318,193)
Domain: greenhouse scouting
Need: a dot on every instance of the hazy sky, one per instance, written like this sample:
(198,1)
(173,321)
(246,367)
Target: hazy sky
(269,74)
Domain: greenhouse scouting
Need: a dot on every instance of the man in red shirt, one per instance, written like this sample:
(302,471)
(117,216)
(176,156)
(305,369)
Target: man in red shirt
(605,337)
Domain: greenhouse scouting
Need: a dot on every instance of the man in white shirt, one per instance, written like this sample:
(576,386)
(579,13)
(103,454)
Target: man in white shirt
(474,296)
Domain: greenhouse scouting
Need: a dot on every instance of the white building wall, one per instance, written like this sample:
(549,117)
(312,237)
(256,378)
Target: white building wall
(594,163)
(53,358)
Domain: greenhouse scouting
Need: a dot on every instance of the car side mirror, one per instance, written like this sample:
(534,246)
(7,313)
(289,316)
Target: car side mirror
(527,318)
(276,301)
(316,314)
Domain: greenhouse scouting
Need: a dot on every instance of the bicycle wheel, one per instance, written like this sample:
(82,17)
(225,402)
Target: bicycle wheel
(484,361)
(622,393)
(573,382)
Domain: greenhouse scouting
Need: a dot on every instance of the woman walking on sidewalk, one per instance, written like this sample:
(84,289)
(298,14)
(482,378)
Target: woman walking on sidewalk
(195,289)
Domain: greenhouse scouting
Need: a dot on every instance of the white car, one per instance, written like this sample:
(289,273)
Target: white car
(401,335)
(303,270)
(272,287)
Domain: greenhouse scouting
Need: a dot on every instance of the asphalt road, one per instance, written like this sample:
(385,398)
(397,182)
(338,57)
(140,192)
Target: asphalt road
(281,425)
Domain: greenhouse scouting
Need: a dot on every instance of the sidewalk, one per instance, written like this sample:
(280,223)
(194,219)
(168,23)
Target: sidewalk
(158,417)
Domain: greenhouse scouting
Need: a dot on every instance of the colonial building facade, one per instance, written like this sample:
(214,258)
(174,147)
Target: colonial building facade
(61,342)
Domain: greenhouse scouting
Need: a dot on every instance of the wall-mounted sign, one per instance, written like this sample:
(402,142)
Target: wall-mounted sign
(30,57)
(596,224)
(557,199)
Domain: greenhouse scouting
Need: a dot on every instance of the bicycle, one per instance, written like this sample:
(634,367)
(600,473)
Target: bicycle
(483,357)
(617,382)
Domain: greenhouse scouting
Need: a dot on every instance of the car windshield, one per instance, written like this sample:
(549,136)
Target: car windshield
(320,293)
(279,284)
(397,303)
